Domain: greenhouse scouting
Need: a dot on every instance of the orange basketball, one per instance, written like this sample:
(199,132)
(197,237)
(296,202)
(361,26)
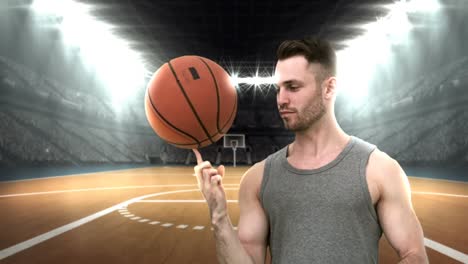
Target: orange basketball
(190,102)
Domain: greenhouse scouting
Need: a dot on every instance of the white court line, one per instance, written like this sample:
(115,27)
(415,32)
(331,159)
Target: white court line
(4,253)
(105,188)
(435,179)
(450,252)
(87,174)
(179,201)
(62,176)
(442,194)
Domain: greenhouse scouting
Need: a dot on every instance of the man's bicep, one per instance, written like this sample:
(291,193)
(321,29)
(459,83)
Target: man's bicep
(397,217)
(253,223)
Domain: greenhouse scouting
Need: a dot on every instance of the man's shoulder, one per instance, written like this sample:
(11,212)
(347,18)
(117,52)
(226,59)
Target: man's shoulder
(381,160)
(255,170)
(252,178)
(384,169)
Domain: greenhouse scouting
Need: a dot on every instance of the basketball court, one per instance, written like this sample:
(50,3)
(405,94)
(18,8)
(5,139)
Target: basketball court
(158,215)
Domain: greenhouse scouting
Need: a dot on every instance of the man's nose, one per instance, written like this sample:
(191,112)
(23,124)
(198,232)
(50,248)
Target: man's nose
(282,98)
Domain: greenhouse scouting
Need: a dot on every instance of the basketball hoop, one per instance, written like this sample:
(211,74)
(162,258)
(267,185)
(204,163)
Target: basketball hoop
(234,141)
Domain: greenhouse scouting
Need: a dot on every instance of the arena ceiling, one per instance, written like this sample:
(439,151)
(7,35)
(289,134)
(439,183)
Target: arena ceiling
(231,32)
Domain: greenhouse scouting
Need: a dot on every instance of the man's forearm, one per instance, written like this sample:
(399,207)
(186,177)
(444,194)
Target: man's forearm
(229,249)
(417,258)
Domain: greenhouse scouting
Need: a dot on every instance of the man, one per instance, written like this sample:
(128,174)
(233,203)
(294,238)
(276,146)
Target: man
(324,198)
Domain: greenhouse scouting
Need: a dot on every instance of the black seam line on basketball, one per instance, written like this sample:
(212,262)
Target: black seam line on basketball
(217,94)
(201,140)
(186,144)
(188,101)
(169,123)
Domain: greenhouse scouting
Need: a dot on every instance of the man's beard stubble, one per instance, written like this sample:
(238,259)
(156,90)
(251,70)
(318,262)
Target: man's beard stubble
(309,116)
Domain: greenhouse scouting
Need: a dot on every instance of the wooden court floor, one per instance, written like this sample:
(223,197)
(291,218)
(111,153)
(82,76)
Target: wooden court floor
(157,215)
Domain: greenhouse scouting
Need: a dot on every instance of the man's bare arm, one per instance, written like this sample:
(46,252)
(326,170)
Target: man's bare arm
(397,217)
(232,247)
(253,224)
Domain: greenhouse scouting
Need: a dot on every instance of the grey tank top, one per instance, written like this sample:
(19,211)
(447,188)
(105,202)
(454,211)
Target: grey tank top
(323,215)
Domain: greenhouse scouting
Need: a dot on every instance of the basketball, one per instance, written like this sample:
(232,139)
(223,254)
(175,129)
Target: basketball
(190,102)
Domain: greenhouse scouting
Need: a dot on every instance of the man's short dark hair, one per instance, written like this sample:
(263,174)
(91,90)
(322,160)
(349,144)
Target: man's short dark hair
(314,50)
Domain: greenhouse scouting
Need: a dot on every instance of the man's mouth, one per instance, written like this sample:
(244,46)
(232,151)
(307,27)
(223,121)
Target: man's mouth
(283,113)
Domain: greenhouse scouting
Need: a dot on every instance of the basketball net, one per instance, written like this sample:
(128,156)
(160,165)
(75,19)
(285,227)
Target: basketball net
(234,144)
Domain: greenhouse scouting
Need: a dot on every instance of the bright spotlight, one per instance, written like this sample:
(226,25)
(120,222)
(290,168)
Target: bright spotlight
(234,80)
(117,66)
(424,6)
(252,80)
(256,80)
(57,7)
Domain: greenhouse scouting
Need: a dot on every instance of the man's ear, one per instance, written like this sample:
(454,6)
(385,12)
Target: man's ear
(329,87)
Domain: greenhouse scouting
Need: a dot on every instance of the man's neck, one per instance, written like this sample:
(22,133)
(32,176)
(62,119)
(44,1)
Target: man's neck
(325,137)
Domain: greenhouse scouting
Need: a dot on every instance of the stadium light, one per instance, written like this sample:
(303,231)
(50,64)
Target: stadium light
(424,6)
(359,60)
(117,66)
(64,8)
(414,6)
(255,80)
(234,79)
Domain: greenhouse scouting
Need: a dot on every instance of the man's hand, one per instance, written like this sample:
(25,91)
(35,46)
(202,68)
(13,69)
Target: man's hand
(210,184)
